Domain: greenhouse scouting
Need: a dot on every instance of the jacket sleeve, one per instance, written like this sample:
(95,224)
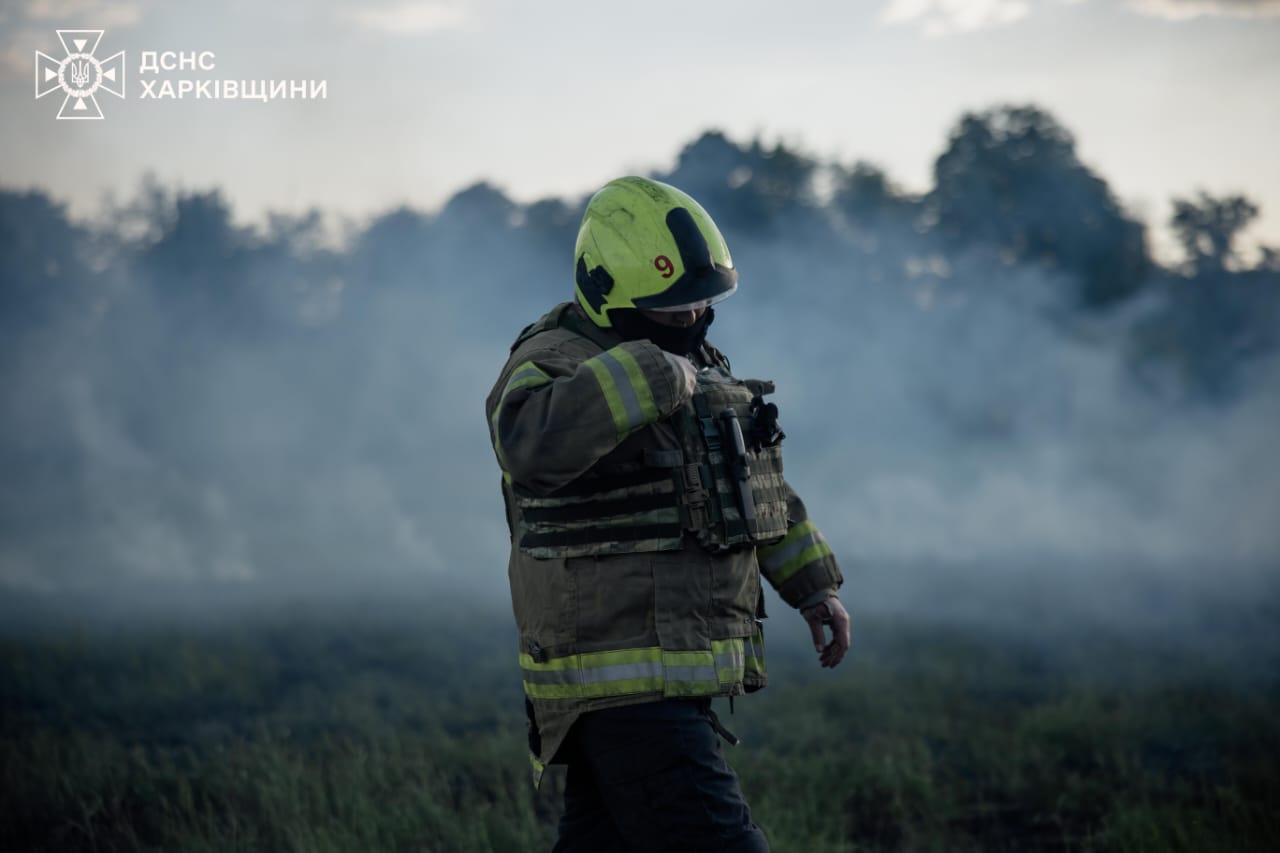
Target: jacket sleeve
(553,415)
(800,565)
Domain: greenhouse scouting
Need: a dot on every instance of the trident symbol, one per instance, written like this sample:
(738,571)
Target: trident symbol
(79,73)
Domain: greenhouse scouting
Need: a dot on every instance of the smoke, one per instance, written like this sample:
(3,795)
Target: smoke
(971,444)
(192,404)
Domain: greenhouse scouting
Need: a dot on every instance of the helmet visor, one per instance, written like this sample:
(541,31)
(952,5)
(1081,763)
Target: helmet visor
(700,303)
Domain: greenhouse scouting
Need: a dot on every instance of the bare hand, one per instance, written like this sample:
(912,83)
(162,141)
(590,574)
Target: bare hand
(830,612)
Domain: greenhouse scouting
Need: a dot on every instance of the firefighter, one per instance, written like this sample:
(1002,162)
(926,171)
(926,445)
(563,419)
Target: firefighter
(645,497)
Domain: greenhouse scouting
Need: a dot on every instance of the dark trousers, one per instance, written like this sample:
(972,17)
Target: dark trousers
(651,778)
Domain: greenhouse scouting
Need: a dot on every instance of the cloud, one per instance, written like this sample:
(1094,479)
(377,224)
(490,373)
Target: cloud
(92,12)
(946,17)
(31,28)
(16,56)
(1181,10)
(422,16)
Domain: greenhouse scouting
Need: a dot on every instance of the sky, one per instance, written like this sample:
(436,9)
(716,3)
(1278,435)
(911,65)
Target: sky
(553,98)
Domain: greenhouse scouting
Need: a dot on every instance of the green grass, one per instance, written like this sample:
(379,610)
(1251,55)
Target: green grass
(321,733)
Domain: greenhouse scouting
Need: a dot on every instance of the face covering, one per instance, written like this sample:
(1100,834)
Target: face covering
(634,326)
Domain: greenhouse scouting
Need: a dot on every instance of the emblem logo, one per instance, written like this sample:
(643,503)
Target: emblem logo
(79,74)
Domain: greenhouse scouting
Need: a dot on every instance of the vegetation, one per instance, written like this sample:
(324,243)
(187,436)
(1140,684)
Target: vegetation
(319,733)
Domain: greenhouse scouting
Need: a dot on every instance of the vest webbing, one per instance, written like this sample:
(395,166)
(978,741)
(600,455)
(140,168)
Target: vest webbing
(719,522)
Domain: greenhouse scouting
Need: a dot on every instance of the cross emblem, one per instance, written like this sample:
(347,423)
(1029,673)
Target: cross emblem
(80,74)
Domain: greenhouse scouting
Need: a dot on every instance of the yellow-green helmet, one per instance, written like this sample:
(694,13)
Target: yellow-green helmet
(645,244)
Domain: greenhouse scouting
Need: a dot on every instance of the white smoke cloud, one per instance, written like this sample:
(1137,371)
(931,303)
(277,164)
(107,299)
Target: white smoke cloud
(31,27)
(93,12)
(1182,10)
(410,18)
(935,18)
(952,414)
(946,17)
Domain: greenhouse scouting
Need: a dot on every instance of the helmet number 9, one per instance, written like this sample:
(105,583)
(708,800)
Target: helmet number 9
(663,264)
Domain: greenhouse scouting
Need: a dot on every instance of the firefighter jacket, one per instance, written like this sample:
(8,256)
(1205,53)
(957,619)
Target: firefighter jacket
(643,509)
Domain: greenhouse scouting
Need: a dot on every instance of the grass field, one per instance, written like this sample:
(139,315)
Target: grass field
(319,731)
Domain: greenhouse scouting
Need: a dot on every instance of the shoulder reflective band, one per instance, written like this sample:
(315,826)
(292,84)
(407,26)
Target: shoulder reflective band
(592,675)
(626,391)
(802,545)
(526,375)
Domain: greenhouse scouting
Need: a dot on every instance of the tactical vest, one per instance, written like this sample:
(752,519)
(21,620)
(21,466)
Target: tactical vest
(722,481)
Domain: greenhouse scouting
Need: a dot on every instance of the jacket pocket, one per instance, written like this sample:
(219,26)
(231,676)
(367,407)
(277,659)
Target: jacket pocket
(544,598)
(615,600)
(735,593)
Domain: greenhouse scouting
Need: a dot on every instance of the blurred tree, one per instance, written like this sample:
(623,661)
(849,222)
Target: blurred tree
(865,195)
(42,266)
(554,223)
(550,230)
(200,231)
(474,259)
(1217,317)
(875,222)
(1010,180)
(391,251)
(198,267)
(480,207)
(753,189)
(1208,227)
(1270,260)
